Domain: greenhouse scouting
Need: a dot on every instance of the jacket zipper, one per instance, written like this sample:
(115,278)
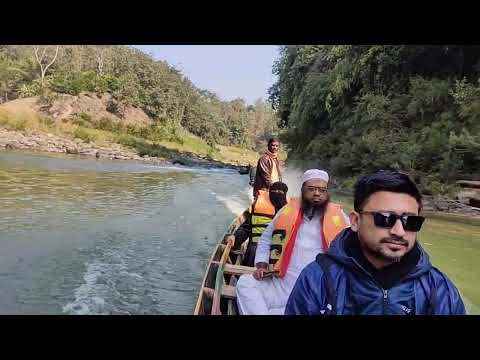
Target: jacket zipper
(385,300)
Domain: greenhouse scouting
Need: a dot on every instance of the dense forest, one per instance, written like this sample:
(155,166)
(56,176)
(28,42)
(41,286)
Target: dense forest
(133,78)
(358,108)
(349,108)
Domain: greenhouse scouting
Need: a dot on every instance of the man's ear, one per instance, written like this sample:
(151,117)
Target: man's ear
(354,219)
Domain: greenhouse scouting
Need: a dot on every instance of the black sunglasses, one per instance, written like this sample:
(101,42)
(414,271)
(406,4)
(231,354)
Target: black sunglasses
(386,219)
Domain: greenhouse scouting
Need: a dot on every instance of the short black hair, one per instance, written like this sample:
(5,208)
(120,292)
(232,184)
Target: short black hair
(392,181)
(272,140)
(279,186)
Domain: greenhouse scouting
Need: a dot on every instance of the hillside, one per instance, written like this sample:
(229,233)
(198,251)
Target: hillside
(117,94)
(124,83)
(83,125)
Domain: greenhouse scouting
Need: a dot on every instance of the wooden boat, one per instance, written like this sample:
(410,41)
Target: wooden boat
(217,293)
(244,170)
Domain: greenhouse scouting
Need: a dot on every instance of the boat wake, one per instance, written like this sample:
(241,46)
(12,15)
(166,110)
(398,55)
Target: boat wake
(100,283)
(237,203)
(108,281)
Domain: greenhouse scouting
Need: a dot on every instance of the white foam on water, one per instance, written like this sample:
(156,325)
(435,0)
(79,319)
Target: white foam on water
(99,283)
(292,176)
(87,301)
(248,193)
(237,203)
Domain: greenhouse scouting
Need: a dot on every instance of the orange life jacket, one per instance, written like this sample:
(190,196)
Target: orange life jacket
(262,214)
(286,227)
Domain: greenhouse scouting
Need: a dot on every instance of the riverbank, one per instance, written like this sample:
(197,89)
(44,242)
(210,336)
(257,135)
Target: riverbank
(32,140)
(82,125)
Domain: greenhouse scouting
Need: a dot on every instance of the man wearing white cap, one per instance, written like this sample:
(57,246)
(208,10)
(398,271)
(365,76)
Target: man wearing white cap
(297,234)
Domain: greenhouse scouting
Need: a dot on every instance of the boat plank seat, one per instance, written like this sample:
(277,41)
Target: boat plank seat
(238,269)
(236,252)
(228,291)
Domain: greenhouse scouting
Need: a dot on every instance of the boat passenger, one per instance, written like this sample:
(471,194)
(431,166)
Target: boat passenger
(298,232)
(377,267)
(268,168)
(257,219)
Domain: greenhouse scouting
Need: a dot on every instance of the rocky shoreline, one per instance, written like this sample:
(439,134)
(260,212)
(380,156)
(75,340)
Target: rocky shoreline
(450,206)
(45,142)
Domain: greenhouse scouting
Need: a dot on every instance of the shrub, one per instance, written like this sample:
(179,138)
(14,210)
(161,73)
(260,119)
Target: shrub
(108,124)
(348,183)
(81,119)
(47,121)
(84,135)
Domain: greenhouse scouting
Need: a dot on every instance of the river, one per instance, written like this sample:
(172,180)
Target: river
(86,236)
(90,236)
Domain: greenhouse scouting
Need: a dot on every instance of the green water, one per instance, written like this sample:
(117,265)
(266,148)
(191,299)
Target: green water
(86,236)
(453,244)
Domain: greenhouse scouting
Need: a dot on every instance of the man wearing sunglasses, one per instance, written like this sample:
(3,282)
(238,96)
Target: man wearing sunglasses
(377,266)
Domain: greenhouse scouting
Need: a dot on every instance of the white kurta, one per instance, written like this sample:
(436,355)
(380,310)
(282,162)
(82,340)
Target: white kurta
(269,296)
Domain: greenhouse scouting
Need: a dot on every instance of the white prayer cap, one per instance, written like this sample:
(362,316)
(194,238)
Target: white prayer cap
(314,174)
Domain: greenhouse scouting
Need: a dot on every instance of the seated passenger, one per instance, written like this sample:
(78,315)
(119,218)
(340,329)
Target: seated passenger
(257,218)
(298,232)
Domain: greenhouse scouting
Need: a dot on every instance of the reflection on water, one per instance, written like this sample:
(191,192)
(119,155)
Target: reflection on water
(86,236)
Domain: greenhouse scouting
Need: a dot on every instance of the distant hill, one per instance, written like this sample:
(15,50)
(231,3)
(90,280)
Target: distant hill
(125,85)
(86,105)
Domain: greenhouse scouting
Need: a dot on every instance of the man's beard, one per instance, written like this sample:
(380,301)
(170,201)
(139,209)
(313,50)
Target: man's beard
(379,253)
(311,209)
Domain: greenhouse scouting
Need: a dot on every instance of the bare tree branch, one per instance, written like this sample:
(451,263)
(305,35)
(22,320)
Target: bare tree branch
(53,60)
(100,61)
(43,68)
(43,53)
(36,48)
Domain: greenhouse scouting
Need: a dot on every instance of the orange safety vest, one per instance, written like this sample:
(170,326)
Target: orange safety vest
(262,214)
(286,227)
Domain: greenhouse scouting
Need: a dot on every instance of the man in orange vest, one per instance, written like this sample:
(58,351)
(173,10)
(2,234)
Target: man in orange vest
(298,232)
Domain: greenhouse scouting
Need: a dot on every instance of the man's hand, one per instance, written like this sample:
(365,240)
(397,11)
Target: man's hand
(230,240)
(259,274)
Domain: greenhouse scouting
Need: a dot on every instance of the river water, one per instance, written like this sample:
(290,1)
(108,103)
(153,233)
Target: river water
(90,236)
(86,236)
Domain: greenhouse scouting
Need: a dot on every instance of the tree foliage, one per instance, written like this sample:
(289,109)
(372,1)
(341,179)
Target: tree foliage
(133,78)
(359,108)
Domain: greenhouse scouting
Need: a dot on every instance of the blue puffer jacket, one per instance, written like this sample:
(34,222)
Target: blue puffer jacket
(337,284)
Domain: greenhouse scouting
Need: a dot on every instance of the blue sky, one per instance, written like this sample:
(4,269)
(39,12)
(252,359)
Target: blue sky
(230,71)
